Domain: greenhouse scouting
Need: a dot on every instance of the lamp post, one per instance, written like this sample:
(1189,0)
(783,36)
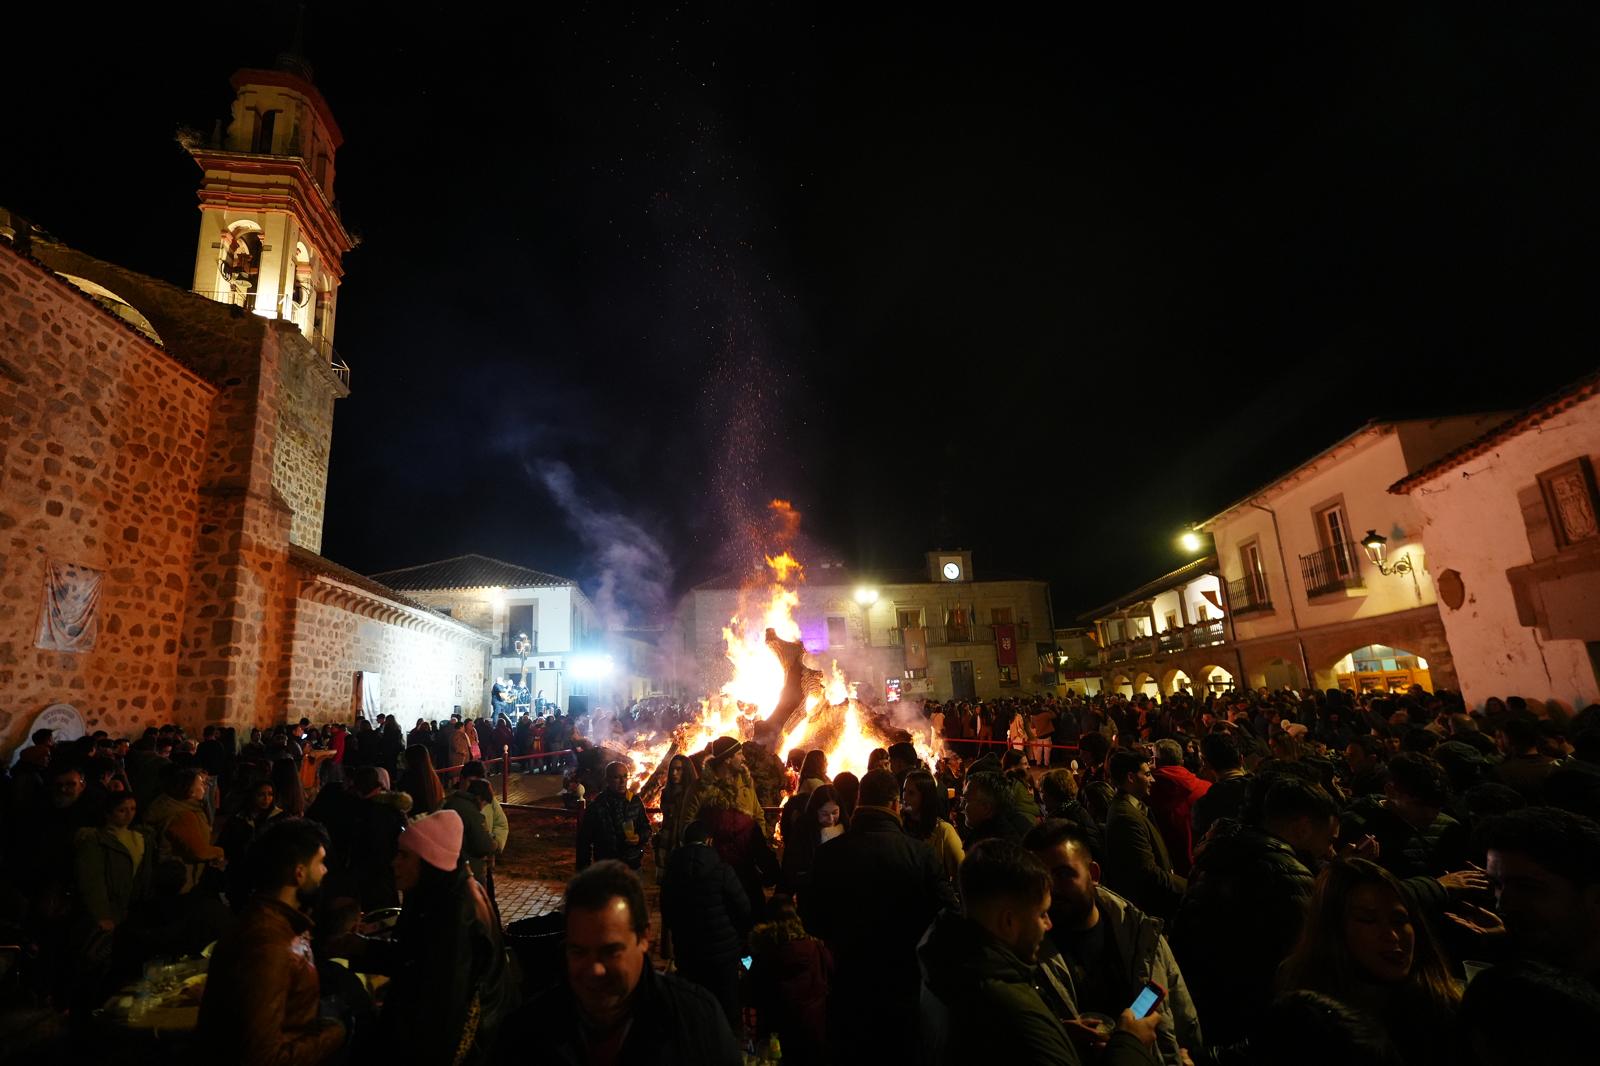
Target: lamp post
(523,646)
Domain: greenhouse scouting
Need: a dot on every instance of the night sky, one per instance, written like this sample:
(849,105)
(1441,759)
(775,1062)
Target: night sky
(1045,291)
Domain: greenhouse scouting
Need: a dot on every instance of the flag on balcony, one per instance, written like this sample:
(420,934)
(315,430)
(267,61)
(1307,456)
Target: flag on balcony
(1214,596)
(1005,645)
(914,641)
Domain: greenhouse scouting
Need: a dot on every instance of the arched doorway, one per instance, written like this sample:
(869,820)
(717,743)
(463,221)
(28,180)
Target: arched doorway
(1214,679)
(1146,684)
(1380,668)
(1278,674)
(1176,682)
(1122,686)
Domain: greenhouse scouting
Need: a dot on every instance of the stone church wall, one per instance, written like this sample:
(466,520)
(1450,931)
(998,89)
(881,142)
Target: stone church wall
(102,439)
(306,392)
(424,671)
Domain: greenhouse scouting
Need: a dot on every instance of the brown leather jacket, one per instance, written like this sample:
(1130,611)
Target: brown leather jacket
(262,993)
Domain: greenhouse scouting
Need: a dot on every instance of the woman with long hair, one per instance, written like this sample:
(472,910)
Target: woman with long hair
(287,789)
(1364,945)
(847,786)
(813,771)
(922,811)
(822,817)
(421,781)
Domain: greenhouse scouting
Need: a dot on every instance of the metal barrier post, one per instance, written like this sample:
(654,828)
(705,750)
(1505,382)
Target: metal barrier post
(505,773)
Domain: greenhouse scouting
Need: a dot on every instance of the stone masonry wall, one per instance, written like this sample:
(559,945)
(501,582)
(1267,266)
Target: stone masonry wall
(306,392)
(425,670)
(101,452)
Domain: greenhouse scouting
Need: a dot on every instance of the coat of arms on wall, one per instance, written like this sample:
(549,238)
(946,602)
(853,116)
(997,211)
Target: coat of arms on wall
(70,616)
(1569,496)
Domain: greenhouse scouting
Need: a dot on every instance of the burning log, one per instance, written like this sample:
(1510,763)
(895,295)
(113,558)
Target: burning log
(800,684)
(658,776)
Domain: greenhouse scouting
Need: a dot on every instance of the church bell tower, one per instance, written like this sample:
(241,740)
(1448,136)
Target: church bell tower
(271,240)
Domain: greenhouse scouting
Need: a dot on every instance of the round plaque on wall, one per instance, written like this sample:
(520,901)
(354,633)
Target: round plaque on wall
(62,719)
(1451,589)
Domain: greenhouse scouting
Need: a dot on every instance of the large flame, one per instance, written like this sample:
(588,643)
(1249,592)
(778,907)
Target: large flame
(833,719)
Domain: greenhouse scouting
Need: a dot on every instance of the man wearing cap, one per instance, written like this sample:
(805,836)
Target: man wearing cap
(729,759)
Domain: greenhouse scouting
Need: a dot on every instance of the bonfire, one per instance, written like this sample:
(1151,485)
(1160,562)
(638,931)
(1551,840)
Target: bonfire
(772,695)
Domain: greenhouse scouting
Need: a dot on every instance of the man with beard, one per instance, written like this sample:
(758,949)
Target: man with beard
(1101,949)
(978,971)
(262,996)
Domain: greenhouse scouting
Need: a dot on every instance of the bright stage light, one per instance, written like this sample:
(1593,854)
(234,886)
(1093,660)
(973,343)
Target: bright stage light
(587,666)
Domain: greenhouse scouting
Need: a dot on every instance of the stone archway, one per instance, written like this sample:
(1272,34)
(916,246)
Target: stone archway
(1145,683)
(1214,679)
(1382,668)
(1176,681)
(1122,686)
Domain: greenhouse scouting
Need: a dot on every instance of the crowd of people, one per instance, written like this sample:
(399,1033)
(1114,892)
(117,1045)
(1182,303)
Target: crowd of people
(1272,877)
(1307,877)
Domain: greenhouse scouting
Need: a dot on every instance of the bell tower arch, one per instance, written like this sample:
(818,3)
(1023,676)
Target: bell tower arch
(271,240)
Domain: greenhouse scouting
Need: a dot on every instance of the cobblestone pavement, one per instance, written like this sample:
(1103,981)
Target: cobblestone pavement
(521,897)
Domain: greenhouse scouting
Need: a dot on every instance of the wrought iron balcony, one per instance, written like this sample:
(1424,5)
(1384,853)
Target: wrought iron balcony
(1250,597)
(1331,569)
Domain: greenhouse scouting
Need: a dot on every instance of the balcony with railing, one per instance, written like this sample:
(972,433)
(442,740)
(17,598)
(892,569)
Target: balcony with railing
(1250,597)
(971,633)
(1331,570)
(1168,642)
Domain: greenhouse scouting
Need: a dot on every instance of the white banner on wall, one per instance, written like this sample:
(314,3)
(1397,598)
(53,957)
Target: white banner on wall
(366,695)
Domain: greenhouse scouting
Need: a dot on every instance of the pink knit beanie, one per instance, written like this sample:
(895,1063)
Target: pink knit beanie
(435,839)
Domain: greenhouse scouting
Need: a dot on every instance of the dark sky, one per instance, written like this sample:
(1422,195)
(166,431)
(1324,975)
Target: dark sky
(1044,290)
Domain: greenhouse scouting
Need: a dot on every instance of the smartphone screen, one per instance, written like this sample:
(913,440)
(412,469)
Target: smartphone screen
(748,958)
(1146,1001)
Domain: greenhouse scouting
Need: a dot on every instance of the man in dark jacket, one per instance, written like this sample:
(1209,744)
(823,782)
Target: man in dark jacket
(614,1007)
(978,969)
(615,825)
(873,893)
(262,998)
(1415,837)
(378,825)
(988,809)
(1138,866)
(705,908)
(1246,904)
(1101,949)
(1230,785)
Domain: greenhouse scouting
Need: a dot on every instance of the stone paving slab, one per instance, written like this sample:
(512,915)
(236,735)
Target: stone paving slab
(521,897)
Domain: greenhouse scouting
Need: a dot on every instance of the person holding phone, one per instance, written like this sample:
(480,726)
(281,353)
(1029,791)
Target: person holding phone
(979,967)
(1101,950)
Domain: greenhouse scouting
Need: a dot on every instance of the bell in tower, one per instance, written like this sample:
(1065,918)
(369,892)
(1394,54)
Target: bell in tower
(271,240)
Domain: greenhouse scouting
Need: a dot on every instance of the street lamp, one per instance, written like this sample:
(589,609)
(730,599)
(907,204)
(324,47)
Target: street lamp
(1192,542)
(523,646)
(1375,544)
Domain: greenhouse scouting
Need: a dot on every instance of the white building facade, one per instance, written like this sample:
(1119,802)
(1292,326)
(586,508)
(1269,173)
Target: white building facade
(1307,607)
(1509,522)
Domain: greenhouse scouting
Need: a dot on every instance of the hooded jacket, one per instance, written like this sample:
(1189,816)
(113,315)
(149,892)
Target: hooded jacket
(110,882)
(979,1004)
(1172,800)
(1142,947)
(705,908)
(183,838)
